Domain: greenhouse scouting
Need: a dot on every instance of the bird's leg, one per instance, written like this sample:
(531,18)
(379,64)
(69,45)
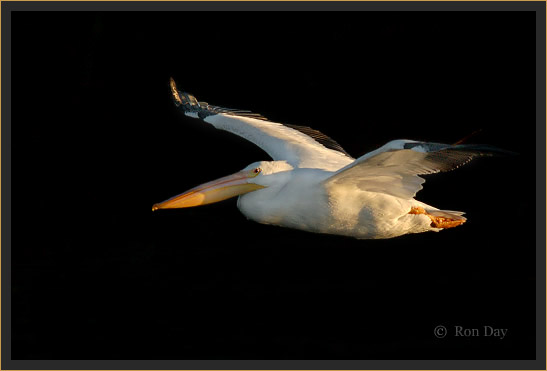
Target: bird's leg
(436,221)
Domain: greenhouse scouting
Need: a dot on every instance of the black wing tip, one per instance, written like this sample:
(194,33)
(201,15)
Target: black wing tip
(478,149)
(485,149)
(175,93)
(321,138)
(188,103)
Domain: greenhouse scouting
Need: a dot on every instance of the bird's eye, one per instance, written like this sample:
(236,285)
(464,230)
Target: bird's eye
(254,172)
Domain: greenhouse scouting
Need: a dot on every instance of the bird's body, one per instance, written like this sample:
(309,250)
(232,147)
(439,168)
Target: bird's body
(301,199)
(315,186)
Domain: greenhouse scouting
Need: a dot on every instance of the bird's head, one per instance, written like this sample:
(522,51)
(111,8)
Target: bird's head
(256,176)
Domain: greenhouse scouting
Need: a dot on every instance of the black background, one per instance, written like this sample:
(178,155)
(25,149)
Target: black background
(96,141)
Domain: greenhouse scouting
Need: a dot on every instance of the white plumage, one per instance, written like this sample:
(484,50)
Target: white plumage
(314,185)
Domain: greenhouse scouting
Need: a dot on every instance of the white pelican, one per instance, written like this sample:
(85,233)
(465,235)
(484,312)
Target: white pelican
(314,185)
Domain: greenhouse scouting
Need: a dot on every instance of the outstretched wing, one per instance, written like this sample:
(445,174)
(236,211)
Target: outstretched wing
(300,146)
(394,168)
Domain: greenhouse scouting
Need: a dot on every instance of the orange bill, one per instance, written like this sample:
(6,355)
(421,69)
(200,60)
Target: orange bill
(215,191)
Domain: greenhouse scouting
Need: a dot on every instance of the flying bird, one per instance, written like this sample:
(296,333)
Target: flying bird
(312,184)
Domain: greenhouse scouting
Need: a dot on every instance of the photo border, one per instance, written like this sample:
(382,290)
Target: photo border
(7,7)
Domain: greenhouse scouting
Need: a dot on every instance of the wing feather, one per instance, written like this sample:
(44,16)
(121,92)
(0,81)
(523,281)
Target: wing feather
(394,168)
(300,146)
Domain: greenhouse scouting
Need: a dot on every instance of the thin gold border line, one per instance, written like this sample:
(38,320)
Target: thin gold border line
(17,1)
